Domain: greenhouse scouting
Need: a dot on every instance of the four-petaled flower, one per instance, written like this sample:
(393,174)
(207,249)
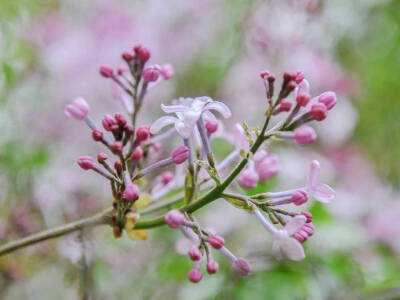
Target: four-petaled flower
(320,191)
(285,244)
(188,112)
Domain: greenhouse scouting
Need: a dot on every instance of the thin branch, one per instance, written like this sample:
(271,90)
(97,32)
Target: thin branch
(98,219)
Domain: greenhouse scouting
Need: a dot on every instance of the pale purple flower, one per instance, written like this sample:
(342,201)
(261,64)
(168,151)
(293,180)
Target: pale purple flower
(320,191)
(285,244)
(188,112)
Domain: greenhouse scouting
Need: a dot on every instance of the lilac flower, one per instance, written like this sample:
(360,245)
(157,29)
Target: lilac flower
(188,112)
(78,109)
(285,244)
(320,191)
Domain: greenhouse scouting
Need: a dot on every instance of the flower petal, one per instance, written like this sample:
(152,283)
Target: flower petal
(185,130)
(276,250)
(292,249)
(323,193)
(304,87)
(219,107)
(295,224)
(314,174)
(161,123)
(174,108)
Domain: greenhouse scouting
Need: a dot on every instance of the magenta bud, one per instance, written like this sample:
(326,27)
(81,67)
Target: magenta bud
(291,85)
(131,193)
(248,179)
(319,111)
(151,73)
(264,74)
(127,56)
(174,218)
(328,98)
(102,157)
(117,147)
(304,135)
(78,109)
(211,127)
(142,53)
(137,153)
(195,275)
(268,167)
(97,135)
(309,228)
(142,133)
(121,120)
(299,77)
(212,267)
(106,72)
(241,266)
(85,162)
(303,99)
(180,154)
(166,177)
(129,129)
(167,71)
(288,76)
(195,254)
(299,197)
(300,237)
(271,78)
(285,105)
(107,122)
(308,216)
(118,166)
(216,241)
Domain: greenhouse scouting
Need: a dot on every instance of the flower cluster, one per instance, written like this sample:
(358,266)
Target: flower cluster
(203,179)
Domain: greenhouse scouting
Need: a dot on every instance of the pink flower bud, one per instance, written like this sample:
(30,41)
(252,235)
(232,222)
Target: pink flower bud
(328,98)
(174,218)
(302,99)
(131,193)
(101,157)
(142,53)
(151,73)
(248,178)
(300,237)
(138,153)
(121,70)
(212,267)
(285,105)
(299,197)
(85,162)
(180,154)
(195,275)
(309,228)
(106,72)
(304,135)
(107,122)
(211,127)
(78,109)
(167,71)
(319,111)
(268,167)
(291,85)
(117,147)
(142,133)
(120,119)
(271,78)
(264,74)
(195,254)
(287,76)
(241,266)
(129,129)
(127,56)
(166,177)
(299,77)
(97,135)
(118,166)
(216,241)
(308,216)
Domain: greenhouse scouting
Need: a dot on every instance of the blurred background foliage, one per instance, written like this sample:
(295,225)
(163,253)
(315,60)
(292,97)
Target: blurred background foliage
(372,57)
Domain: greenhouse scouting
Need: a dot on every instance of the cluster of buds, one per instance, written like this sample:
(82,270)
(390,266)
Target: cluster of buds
(203,242)
(194,122)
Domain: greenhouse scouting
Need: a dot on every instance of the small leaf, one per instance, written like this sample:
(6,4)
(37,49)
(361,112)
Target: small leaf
(238,203)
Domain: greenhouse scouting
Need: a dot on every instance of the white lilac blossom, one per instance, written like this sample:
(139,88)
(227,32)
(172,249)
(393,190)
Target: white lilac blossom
(320,191)
(188,112)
